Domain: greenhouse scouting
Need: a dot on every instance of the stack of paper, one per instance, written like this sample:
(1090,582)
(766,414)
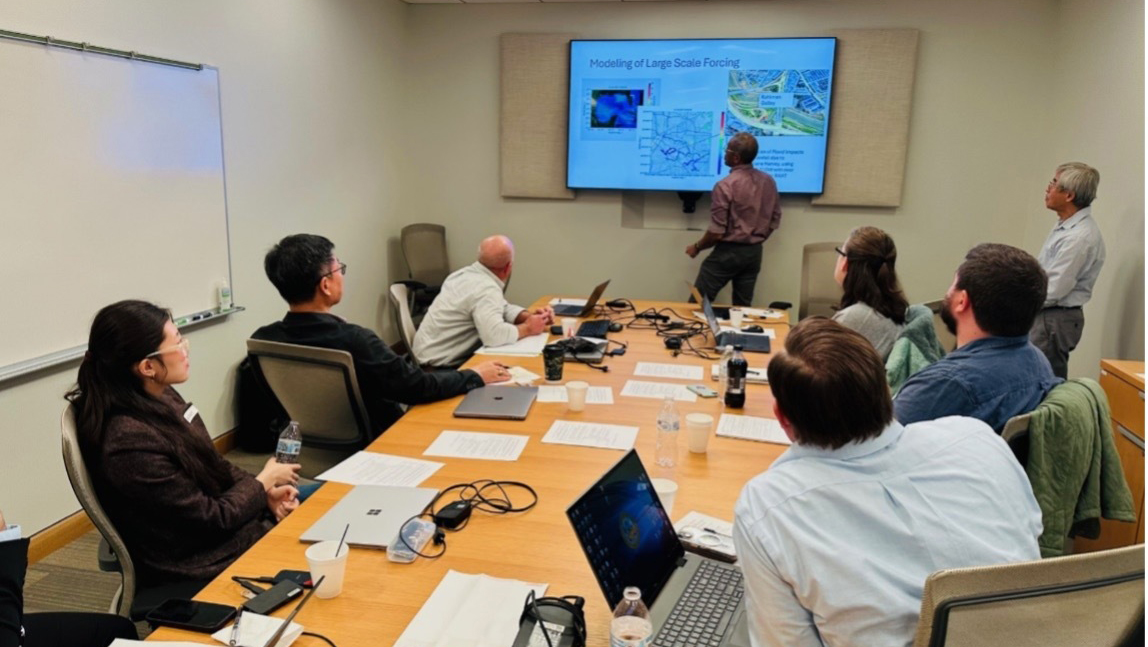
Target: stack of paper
(525,347)
(766,430)
(469,611)
(255,630)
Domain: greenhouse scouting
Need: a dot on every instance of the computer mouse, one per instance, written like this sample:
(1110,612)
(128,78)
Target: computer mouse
(753,329)
(615,327)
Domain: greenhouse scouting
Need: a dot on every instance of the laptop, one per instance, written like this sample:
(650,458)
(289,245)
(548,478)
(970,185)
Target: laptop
(629,541)
(498,402)
(721,312)
(370,514)
(584,349)
(568,310)
(751,343)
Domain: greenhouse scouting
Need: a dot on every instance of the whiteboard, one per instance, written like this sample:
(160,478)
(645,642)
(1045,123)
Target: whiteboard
(111,187)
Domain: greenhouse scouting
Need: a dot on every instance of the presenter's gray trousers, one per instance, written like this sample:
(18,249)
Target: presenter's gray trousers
(1056,332)
(735,262)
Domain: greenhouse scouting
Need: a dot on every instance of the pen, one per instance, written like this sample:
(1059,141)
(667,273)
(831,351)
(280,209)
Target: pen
(714,532)
(235,628)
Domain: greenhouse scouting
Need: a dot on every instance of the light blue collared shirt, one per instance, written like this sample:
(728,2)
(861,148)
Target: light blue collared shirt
(11,533)
(835,545)
(1072,256)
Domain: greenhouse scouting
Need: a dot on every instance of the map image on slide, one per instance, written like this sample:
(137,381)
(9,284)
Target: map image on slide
(778,102)
(614,108)
(677,142)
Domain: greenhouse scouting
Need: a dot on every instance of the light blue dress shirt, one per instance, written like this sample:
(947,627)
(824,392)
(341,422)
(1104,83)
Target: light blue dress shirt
(1072,256)
(835,545)
(11,533)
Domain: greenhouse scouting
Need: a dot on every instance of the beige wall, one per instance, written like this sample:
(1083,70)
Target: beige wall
(311,126)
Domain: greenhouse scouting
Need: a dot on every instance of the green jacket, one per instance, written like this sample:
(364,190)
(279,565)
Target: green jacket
(916,348)
(1073,466)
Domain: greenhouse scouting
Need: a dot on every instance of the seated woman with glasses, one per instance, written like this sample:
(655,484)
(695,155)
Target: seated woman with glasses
(873,303)
(183,510)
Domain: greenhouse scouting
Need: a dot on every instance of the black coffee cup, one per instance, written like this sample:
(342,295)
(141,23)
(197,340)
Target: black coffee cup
(552,357)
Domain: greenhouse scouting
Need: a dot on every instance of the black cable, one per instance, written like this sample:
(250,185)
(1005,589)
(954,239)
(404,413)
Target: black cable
(479,500)
(320,637)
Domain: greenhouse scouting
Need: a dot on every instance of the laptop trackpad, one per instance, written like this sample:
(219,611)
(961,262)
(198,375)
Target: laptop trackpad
(739,637)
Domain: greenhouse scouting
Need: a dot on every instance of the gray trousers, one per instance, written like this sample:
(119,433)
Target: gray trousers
(1056,332)
(730,262)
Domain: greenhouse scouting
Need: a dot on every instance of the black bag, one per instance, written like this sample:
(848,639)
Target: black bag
(261,417)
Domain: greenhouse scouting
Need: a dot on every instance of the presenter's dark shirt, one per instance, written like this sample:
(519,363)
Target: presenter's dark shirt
(13,564)
(745,207)
(385,379)
(991,379)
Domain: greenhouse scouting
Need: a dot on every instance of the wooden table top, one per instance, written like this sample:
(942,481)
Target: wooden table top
(380,598)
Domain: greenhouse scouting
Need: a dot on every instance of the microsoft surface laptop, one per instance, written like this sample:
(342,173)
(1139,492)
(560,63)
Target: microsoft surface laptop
(629,541)
(374,514)
(498,402)
(750,343)
(582,311)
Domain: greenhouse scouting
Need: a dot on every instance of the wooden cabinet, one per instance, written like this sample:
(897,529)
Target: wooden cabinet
(1123,382)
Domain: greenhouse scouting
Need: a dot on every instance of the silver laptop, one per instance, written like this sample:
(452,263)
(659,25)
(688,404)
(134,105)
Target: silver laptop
(499,402)
(582,311)
(629,541)
(375,514)
(750,343)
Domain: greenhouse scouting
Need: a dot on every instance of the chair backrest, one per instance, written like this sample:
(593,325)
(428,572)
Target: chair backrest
(401,304)
(1015,433)
(819,291)
(424,248)
(1088,599)
(947,339)
(318,389)
(81,482)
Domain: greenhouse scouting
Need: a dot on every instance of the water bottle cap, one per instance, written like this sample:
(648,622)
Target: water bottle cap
(632,593)
(737,346)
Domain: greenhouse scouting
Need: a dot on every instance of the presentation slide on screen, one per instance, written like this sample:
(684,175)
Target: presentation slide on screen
(656,114)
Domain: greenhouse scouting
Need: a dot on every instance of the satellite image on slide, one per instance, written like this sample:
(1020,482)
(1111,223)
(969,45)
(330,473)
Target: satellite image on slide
(677,142)
(614,108)
(778,102)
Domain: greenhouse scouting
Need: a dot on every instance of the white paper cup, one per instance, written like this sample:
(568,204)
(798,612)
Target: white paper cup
(576,395)
(323,562)
(667,491)
(698,426)
(736,317)
(569,325)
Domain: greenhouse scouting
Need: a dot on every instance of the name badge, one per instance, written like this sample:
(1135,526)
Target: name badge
(191,413)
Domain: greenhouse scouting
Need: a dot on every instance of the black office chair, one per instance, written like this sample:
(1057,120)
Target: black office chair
(424,250)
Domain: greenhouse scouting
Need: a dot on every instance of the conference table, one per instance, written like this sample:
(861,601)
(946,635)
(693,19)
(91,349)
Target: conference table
(380,598)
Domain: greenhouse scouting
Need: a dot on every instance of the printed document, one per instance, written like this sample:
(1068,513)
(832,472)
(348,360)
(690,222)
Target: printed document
(766,430)
(591,434)
(594,395)
(658,390)
(673,371)
(475,444)
(370,468)
(257,629)
(469,611)
(525,347)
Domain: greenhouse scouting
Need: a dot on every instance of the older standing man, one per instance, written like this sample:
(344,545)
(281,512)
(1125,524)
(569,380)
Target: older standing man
(744,214)
(1072,256)
(471,310)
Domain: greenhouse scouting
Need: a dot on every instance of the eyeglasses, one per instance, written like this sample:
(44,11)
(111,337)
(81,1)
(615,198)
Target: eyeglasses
(342,269)
(838,250)
(183,345)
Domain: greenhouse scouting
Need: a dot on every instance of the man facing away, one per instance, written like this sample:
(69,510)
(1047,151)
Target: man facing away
(837,537)
(1072,256)
(995,373)
(744,213)
(309,276)
(471,310)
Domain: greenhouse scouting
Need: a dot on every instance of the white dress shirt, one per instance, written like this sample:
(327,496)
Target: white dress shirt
(835,545)
(469,310)
(1072,256)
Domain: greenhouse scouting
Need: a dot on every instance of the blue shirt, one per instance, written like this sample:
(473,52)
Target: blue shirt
(836,544)
(990,379)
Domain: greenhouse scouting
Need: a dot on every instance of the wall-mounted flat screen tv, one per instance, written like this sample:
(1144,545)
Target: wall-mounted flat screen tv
(656,114)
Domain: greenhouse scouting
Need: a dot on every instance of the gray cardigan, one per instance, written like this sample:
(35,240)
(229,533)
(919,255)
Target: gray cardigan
(877,328)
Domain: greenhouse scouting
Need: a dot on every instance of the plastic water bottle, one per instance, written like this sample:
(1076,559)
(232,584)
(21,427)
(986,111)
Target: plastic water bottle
(631,625)
(668,424)
(290,444)
(736,373)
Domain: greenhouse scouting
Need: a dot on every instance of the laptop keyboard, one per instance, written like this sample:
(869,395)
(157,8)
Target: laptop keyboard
(706,608)
(597,328)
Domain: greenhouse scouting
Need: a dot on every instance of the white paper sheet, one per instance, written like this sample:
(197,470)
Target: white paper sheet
(766,430)
(469,611)
(707,532)
(674,371)
(591,434)
(525,347)
(752,375)
(520,376)
(568,302)
(594,395)
(762,314)
(256,629)
(769,332)
(370,468)
(476,444)
(658,390)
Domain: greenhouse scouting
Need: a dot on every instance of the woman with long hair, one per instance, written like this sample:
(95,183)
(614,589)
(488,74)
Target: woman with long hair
(183,510)
(873,303)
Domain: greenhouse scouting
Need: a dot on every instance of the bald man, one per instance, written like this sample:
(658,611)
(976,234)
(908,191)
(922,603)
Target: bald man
(472,311)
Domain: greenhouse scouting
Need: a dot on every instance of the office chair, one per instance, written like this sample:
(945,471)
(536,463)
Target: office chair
(318,389)
(1090,599)
(1015,433)
(424,250)
(400,294)
(130,600)
(948,340)
(819,291)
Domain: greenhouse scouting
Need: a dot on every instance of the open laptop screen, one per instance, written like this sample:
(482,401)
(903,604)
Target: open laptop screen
(625,533)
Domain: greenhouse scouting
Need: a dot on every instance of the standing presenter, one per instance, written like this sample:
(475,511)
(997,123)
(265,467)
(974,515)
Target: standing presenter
(744,214)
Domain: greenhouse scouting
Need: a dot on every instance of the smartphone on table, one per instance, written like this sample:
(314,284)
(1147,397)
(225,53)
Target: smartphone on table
(207,617)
